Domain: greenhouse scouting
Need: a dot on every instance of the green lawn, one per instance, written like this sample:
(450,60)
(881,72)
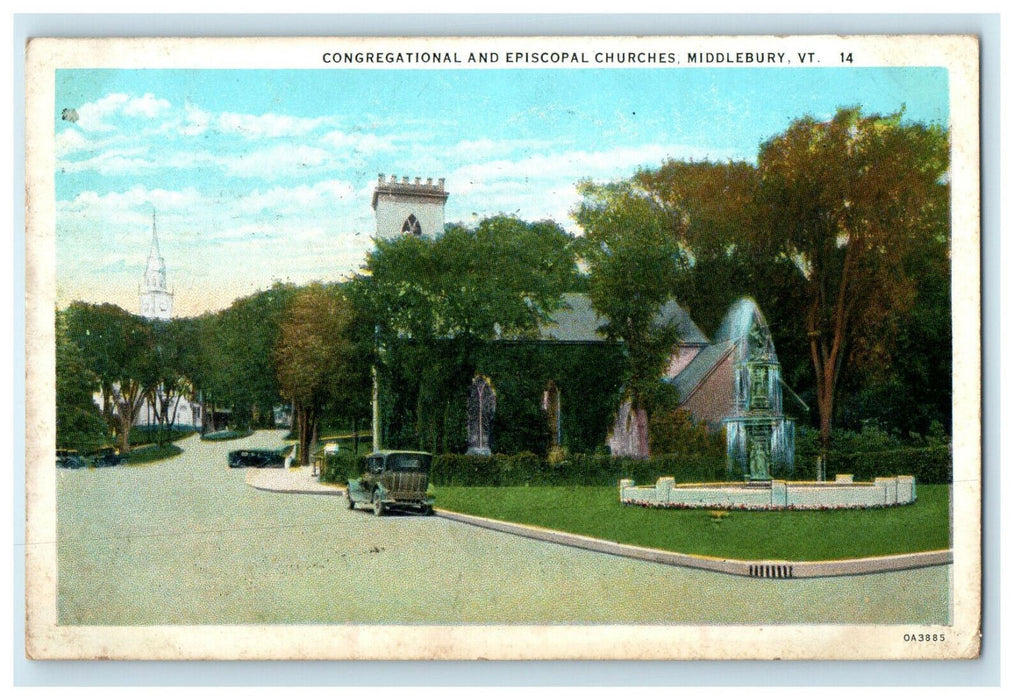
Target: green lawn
(152,453)
(790,535)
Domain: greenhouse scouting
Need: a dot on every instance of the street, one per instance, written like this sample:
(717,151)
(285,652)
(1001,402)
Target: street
(186,541)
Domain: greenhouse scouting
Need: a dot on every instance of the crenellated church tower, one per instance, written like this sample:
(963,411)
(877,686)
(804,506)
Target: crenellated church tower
(154,299)
(405,208)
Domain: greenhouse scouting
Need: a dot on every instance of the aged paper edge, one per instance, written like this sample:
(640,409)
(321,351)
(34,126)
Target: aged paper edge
(46,639)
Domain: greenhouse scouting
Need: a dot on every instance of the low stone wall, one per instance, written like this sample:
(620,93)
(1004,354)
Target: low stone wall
(772,495)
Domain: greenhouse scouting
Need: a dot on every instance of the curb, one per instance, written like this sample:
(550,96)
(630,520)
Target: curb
(772,569)
(767,568)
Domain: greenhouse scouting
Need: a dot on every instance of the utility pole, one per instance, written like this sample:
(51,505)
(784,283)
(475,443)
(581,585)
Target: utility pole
(377,429)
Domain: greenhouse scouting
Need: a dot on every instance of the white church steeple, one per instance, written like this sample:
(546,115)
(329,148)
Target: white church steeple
(154,299)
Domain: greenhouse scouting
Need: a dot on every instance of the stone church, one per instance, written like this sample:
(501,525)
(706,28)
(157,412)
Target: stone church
(703,371)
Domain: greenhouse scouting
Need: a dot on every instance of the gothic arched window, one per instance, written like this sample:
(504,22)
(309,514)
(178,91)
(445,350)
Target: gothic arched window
(412,226)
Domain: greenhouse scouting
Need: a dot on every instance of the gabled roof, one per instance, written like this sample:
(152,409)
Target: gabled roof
(700,367)
(578,322)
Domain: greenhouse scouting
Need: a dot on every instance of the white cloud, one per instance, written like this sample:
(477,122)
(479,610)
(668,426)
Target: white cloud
(92,114)
(301,198)
(111,162)
(196,120)
(616,162)
(252,126)
(71,141)
(148,105)
(359,142)
(270,163)
(488,148)
(130,206)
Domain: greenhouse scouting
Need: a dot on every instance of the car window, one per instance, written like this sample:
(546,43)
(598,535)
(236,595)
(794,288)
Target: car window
(408,463)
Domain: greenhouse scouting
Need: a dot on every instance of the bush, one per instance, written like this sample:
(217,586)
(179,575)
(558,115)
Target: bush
(929,465)
(226,435)
(152,453)
(871,453)
(144,435)
(528,469)
(676,433)
(338,468)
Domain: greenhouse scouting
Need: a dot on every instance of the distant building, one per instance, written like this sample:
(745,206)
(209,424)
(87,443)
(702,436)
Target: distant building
(405,208)
(155,301)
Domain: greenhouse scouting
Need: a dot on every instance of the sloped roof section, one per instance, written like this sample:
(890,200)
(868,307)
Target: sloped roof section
(699,368)
(578,322)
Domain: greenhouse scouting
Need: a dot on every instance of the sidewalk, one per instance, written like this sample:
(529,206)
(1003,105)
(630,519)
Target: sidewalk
(291,480)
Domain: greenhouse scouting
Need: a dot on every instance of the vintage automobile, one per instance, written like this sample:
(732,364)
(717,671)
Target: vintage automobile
(239,459)
(69,459)
(106,457)
(396,479)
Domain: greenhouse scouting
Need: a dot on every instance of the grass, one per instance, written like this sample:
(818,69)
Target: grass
(152,453)
(789,535)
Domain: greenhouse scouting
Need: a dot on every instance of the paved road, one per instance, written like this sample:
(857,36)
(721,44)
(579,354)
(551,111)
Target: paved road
(186,541)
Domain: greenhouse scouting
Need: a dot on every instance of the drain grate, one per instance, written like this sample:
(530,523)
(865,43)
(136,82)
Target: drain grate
(771,571)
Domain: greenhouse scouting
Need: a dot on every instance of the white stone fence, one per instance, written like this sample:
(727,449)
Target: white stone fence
(772,495)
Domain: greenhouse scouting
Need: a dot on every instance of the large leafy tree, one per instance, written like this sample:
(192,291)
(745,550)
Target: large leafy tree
(117,346)
(79,423)
(848,201)
(633,260)
(237,369)
(429,305)
(314,357)
(713,211)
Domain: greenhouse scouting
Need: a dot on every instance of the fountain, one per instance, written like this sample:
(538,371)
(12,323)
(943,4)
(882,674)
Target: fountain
(760,442)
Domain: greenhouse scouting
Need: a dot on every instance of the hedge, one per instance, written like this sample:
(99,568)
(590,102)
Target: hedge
(144,435)
(226,435)
(528,469)
(338,468)
(929,465)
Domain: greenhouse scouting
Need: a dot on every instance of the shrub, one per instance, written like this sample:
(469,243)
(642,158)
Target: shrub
(152,453)
(528,469)
(929,465)
(226,435)
(676,433)
(338,468)
(144,434)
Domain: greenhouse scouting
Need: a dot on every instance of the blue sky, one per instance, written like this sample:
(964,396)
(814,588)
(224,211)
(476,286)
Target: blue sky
(259,176)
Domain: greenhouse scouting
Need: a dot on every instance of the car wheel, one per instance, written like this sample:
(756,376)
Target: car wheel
(350,501)
(378,507)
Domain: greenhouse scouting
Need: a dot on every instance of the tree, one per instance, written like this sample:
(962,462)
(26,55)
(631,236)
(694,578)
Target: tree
(79,423)
(236,367)
(117,347)
(169,383)
(847,200)
(313,356)
(431,304)
(633,260)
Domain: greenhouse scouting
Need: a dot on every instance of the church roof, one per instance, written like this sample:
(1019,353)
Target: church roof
(700,367)
(578,322)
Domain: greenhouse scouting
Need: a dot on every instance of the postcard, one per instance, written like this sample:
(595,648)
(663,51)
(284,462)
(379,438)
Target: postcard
(503,348)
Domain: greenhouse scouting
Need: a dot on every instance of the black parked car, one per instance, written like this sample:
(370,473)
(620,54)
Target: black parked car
(107,457)
(239,459)
(69,459)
